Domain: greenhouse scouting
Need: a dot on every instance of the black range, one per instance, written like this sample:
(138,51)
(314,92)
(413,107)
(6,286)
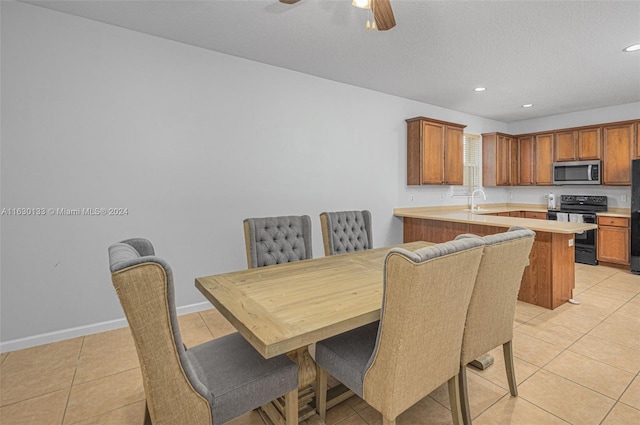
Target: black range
(581,209)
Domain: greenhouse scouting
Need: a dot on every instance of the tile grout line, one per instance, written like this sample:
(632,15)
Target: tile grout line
(75,371)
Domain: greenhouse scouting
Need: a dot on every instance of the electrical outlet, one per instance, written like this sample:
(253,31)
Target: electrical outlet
(546,196)
(510,195)
(623,198)
(442,196)
(413,198)
(570,242)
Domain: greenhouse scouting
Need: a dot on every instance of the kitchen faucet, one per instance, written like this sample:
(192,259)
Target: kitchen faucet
(473,200)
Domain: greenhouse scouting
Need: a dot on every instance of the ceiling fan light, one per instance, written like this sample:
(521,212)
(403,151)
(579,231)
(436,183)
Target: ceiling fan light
(632,48)
(480,89)
(362,4)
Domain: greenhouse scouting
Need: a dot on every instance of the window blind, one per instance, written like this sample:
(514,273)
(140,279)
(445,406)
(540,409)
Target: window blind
(471,154)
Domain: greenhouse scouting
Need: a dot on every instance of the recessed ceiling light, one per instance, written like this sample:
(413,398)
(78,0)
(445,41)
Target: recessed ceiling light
(527,105)
(632,48)
(480,89)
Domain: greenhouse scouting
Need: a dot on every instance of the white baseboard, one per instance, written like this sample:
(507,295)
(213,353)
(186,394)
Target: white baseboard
(49,337)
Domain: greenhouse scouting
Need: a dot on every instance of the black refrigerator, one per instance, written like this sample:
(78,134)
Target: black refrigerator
(635,216)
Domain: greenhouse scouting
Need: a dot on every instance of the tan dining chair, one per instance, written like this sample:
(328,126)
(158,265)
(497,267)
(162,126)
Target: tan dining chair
(346,231)
(415,347)
(493,302)
(276,240)
(211,383)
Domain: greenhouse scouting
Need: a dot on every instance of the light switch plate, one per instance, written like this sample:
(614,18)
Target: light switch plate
(570,242)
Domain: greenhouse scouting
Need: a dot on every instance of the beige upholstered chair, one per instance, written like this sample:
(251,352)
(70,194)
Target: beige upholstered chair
(346,231)
(211,383)
(275,240)
(415,347)
(492,308)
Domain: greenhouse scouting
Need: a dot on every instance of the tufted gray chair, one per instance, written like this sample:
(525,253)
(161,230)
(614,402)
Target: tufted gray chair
(346,231)
(210,383)
(276,240)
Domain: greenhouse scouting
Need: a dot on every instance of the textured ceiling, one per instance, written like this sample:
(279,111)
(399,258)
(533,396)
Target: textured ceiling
(562,56)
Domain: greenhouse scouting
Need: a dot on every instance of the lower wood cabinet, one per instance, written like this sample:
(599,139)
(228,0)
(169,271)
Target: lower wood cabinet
(613,241)
(535,214)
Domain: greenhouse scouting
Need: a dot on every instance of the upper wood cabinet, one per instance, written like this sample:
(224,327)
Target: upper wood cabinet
(434,152)
(637,154)
(565,146)
(499,160)
(619,140)
(525,161)
(543,164)
(577,144)
(589,143)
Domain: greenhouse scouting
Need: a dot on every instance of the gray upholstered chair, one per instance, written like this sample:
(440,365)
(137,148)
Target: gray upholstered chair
(276,240)
(415,347)
(493,302)
(346,231)
(211,383)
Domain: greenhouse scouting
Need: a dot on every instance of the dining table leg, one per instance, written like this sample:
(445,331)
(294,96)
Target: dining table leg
(275,410)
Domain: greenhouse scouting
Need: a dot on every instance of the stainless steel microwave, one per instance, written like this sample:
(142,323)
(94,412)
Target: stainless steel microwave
(577,172)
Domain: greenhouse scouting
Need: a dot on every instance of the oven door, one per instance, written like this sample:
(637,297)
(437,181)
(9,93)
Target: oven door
(588,237)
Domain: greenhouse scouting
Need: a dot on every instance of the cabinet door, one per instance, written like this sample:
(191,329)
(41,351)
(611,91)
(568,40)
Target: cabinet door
(618,142)
(503,160)
(613,244)
(543,165)
(513,158)
(516,214)
(535,215)
(589,143)
(637,154)
(433,154)
(453,156)
(565,146)
(525,163)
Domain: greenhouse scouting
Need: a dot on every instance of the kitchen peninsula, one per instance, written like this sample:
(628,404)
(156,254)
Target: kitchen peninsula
(549,279)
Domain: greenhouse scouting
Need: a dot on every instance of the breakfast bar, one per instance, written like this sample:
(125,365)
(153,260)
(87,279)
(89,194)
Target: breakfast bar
(549,279)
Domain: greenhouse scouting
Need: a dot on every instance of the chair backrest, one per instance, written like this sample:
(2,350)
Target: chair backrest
(425,301)
(144,284)
(276,240)
(346,231)
(493,302)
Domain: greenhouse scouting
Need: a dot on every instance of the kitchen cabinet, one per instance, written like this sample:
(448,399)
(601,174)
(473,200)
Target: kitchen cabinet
(434,152)
(565,146)
(516,214)
(525,161)
(535,214)
(637,151)
(589,144)
(577,144)
(499,160)
(543,159)
(613,241)
(619,140)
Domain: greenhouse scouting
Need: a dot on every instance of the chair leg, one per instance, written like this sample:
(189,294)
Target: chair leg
(291,407)
(507,349)
(463,390)
(321,392)
(455,392)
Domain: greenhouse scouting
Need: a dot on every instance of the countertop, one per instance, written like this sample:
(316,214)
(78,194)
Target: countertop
(483,217)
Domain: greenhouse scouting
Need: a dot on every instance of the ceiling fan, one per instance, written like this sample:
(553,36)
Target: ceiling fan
(381,9)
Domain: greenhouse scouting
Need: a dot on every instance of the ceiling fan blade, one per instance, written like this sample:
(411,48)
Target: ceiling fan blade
(289,1)
(383,14)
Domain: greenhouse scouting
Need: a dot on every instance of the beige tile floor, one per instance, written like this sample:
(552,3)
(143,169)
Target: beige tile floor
(578,364)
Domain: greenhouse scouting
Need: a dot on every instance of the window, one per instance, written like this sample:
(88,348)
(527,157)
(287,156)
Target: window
(471,156)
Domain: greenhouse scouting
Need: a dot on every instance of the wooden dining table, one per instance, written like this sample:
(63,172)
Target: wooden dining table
(285,308)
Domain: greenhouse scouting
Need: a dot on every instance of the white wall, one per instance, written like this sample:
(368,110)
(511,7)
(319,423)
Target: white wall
(190,141)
